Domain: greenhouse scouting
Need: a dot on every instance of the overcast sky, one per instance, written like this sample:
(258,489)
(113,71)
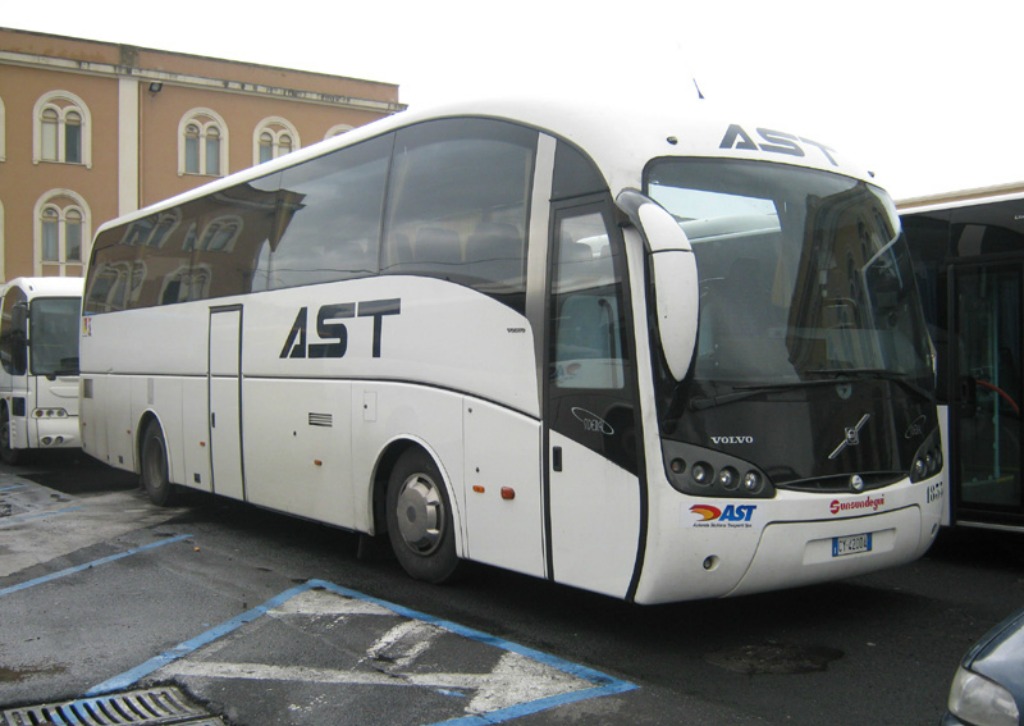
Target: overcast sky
(929,95)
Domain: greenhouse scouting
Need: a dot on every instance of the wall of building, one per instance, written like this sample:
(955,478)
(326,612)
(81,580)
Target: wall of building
(136,102)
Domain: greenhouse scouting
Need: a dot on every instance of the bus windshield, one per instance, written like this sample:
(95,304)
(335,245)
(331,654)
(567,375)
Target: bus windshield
(54,336)
(804,275)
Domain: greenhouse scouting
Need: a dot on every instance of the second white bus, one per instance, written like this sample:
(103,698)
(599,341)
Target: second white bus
(39,355)
(651,354)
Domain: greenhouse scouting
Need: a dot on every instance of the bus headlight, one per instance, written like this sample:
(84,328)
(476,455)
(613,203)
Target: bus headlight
(752,482)
(49,413)
(701,473)
(928,459)
(713,473)
(728,478)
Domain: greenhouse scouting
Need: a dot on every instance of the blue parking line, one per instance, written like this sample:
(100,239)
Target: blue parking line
(38,515)
(12,487)
(603,684)
(129,677)
(95,563)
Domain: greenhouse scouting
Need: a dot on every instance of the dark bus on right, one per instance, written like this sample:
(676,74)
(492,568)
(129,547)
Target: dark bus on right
(968,254)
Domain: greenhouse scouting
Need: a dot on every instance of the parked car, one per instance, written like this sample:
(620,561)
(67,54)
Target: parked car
(988,688)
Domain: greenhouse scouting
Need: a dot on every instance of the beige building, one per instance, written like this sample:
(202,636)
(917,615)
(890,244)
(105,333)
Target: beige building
(90,131)
(959,197)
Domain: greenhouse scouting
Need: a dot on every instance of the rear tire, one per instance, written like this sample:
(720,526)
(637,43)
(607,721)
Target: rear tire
(9,455)
(154,475)
(420,522)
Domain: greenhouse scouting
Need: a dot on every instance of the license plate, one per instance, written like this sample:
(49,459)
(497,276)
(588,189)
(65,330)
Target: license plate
(851,544)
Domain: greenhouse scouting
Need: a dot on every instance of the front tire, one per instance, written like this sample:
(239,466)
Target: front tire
(420,522)
(154,474)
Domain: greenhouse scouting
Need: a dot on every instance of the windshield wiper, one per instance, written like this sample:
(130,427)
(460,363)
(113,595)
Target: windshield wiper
(740,392)
(878,373)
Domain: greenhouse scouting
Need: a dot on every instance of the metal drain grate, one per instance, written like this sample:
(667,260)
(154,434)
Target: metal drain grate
(161,705)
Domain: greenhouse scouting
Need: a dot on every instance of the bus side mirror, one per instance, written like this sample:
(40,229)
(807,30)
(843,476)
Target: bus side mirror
(676,289)
(19,338)
(19,316)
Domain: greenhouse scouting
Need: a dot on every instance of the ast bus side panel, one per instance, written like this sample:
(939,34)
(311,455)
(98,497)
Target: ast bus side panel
(504,521)
(195,444)
(297,447)
(225,402)
(386,413)
(114,405)
(94,437)
(163,397)
(596,519)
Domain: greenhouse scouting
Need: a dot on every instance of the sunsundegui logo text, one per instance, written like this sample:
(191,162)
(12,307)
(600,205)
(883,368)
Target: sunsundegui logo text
(732,515)
(857,506)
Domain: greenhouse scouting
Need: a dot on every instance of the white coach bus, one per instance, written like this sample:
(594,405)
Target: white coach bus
(39,354)
(645,353)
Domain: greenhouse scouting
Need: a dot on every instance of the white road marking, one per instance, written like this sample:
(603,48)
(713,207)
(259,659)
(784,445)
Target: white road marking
(403,643)
(322,602)
(514,680)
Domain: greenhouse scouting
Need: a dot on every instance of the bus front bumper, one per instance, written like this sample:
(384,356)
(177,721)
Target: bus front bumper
(817,551)
(55,433)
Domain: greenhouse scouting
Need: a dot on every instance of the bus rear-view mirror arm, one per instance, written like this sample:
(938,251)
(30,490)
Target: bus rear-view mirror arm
(674,271)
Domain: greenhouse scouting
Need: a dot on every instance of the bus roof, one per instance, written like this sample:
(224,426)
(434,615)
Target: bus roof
(620,137)
(46,286)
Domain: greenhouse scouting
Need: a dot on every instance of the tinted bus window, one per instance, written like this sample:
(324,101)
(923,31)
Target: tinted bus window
(328,219)
(458,203)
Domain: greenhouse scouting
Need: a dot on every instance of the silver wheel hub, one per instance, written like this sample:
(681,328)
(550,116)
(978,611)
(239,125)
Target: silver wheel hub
(420,514)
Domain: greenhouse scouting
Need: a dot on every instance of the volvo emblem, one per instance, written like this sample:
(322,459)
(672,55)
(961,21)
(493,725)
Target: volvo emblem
(852,437)
(856,483)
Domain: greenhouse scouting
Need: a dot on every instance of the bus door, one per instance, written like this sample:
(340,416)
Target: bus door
(985,400)
(226,401)
(593,487)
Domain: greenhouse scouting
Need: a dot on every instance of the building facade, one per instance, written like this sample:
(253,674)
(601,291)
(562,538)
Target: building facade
(91,130)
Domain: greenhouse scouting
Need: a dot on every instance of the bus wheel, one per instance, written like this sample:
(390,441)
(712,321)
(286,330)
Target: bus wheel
(155,479)
(9,455)
(420,519)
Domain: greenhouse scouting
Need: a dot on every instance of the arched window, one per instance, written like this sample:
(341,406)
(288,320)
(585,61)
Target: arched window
(273,137)
(61,130)
(152,231)
(220,234)
(202,143)
(192,149)
(337,130)
(62,228)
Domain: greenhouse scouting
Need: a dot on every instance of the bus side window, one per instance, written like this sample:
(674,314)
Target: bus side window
(326,225)
(589,327)
(457,205)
